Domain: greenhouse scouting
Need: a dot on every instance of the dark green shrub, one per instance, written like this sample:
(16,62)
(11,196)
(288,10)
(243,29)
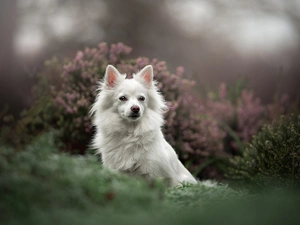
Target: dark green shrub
(273,157)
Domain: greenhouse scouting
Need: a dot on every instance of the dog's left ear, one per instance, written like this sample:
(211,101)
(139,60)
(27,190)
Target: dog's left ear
(147,74)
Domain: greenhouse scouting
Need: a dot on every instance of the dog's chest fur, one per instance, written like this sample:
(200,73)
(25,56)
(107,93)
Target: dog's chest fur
(128,152)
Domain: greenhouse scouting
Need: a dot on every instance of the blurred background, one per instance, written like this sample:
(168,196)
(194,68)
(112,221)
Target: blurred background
(215,41)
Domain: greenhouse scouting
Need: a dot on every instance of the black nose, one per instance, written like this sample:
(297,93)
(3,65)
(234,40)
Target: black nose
(135,109)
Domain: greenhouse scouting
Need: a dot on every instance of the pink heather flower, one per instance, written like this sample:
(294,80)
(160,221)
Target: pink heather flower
(180,71)
(84,75)
(78,57)
(222,91)
(69,110)
(112,58)
(141,62)
(103,48)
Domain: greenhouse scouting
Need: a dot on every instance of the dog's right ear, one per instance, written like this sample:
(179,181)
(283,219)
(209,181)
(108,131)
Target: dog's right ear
(111,76)
(147,74)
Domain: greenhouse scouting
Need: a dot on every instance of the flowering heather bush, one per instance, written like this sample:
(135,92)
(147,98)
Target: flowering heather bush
(195,128)
(230,117)
(72,88)
(245,114)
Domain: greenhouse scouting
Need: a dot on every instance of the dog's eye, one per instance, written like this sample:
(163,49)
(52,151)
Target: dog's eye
(141,98)
(123,98)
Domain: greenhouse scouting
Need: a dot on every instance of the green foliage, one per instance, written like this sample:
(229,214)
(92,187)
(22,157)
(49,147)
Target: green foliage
(273,157)
(41,177)
(41,185)
(5,122)
(235,91)
(202,195)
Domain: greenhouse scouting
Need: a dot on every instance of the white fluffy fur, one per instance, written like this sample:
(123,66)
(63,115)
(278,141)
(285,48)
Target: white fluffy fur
(134,145)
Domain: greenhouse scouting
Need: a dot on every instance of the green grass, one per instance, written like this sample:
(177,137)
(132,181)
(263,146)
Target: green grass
(40,185)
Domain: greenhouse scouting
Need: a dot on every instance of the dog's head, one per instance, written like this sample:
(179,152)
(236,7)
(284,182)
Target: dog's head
(129,94)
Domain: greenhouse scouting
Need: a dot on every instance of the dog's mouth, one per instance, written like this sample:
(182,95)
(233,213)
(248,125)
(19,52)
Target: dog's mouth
(134,116)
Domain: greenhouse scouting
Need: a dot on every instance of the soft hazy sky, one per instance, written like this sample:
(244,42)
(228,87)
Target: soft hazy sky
(248,31)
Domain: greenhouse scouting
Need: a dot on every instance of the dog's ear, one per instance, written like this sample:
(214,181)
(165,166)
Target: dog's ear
(147,74)
(111,76)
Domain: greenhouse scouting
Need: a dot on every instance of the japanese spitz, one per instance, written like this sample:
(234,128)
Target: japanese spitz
(128,116)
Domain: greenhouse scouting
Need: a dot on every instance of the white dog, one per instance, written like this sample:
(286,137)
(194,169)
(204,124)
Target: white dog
(128,119)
